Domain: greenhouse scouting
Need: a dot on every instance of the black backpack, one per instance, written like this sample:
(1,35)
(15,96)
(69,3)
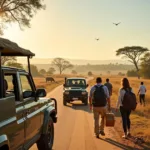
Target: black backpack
(99,97)
(129,100)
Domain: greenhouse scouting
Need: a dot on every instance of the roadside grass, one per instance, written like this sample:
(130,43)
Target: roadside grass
(41,83)
(140,119)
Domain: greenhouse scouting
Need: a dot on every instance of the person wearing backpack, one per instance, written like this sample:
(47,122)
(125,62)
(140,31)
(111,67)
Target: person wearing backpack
(127,103)
(98,99)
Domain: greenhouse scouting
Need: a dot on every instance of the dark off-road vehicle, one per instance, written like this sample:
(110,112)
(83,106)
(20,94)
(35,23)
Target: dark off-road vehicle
(75,89)
(26,116)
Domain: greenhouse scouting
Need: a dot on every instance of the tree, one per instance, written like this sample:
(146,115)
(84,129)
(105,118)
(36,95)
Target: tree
(51,70)
(61,64)
(90,73)
(15,64)
(74,72)
(145,66)
(6,59)
(42,71)
(133,53)
(34,70)
(20,11)
(132,73)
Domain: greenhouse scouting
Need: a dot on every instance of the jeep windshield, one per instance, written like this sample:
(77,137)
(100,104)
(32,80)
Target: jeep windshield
(76,83)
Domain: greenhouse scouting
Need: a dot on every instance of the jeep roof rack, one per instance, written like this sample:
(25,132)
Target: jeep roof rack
(9,48)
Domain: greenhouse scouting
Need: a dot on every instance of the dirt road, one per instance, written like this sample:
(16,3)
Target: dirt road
(74,129)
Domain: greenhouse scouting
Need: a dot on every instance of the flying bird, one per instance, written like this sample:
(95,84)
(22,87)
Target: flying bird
(116,23)
(97,39)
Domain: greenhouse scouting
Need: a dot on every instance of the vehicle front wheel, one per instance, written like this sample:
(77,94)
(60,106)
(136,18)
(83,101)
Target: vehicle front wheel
(46,140)
(64,102)
(85,101)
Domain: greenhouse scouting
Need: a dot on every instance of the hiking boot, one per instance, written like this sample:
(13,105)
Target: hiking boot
(129,134)
(102,133)
(124,136)
(97,136)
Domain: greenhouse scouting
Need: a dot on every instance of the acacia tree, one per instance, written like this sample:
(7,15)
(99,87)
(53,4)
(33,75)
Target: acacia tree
(61,64)
(20,11)
(133,54)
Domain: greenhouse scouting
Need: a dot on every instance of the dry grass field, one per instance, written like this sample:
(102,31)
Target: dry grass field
(140,119)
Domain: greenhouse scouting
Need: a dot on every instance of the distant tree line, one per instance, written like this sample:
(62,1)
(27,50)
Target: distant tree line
(103,67)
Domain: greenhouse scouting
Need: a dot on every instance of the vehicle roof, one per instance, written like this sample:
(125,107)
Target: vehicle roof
(13,68)
(76,78)
(9,48)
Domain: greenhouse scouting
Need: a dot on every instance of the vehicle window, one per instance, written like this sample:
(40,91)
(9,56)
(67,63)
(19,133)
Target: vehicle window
(76,82)
(26,86)
(8,85)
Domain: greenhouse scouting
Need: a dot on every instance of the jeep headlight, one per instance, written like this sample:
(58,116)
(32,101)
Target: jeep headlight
(84,93)
(66,92)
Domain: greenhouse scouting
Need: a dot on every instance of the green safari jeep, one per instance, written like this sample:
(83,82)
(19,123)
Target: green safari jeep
(75,89)
(26,116)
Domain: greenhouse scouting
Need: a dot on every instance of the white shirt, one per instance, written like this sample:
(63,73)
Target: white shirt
(121,96)
(142,89)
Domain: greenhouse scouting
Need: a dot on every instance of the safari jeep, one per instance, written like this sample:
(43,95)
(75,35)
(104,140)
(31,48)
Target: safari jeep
(75,89)
(26,116)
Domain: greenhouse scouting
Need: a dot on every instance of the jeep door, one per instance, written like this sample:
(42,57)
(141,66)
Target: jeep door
(32,110)
(13,112)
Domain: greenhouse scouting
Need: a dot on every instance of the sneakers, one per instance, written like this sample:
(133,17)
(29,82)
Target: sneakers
(124,136)
(128,134)
(102,133)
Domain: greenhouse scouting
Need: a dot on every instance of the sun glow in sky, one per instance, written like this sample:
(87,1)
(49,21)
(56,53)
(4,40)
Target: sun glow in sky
(68,28)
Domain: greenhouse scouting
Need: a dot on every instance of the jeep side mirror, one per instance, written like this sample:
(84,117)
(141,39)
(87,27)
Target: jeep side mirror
(87,85)
(41,93)
(64,85)
(27,94)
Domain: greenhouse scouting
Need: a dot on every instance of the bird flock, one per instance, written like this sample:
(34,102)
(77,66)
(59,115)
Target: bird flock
(116,24)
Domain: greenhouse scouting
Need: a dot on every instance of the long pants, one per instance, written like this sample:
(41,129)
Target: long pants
(99,111)
(142,98)
(125,114)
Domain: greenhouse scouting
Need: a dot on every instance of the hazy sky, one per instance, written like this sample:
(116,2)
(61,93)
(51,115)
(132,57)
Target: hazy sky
(68,28)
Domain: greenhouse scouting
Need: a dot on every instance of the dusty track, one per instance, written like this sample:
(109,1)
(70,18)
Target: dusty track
(74,129)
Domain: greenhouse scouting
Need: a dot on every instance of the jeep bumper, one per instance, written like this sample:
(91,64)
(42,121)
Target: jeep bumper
(74,98)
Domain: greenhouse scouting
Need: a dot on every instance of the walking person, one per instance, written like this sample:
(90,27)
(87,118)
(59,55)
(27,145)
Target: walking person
(141,93)
(98,99)
(109,86)
(126,102)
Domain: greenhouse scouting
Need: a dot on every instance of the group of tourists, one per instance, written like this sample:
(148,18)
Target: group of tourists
(99,99)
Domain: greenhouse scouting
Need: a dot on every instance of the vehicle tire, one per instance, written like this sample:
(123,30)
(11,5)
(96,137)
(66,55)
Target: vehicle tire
(64,102)
(86,102)
(46,140)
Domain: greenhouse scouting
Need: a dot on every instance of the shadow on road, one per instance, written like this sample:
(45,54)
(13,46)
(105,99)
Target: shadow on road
(79,106)
(123,146)
(120,145)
